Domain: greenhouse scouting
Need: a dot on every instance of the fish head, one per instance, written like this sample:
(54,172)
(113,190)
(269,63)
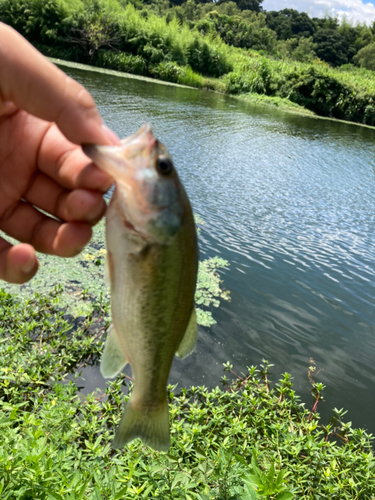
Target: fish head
(149,192)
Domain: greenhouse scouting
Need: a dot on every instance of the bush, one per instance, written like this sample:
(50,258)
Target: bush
(206,59)
(41,21)
(128,63)
(365,58)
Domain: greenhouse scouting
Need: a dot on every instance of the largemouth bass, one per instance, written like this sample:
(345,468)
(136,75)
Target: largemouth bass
(152,262)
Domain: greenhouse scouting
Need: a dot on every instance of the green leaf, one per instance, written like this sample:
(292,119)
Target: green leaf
(199,452)
(82,492)
(250,493)
(240,459)
(120,493)
(279,479)
(284,495)
(157,468)
(254,479)
(181,477)
(54,495)
(271,474)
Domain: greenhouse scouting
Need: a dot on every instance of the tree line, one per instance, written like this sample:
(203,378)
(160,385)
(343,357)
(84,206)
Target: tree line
(217,46)
(285,33)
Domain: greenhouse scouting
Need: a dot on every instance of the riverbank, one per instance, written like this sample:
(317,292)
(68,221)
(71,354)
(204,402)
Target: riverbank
(138,41)
(258,99)
(251,439)
(253,98)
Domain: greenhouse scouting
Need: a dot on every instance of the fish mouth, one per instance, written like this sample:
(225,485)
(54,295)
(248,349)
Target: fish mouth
(116,161)
(144,135)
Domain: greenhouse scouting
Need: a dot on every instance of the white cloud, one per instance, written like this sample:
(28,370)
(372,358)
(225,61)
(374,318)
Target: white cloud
(352,9)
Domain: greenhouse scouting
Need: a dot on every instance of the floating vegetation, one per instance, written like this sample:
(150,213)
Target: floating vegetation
(82,278)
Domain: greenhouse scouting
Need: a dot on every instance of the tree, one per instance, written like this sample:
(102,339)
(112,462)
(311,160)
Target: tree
(332,47)
(327,23)
(289,23)
(96,29)
(254,5)
(365,58)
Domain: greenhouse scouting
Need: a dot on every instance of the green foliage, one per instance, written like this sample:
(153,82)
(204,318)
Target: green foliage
(243,442)
(289,23)
(253,5)
(250,32)
(98,24)
(209,291)
(344,94)
(266,485)
(206,59)
(120,61)
(276,102)
(365,58)
(42,21)
(333,47)
(299,49)
(200,44)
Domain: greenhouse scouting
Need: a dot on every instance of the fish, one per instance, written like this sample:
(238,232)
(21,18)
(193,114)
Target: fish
(151,267)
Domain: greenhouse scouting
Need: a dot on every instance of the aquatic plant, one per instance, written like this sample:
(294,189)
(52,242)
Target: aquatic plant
(82,278)
(248,440)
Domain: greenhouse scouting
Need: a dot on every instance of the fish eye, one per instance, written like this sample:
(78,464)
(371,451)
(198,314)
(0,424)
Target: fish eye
(164,165)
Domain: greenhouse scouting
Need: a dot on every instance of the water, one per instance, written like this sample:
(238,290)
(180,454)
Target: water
(289,202)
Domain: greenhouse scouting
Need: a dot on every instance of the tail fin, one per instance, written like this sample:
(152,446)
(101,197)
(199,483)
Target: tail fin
(152,426)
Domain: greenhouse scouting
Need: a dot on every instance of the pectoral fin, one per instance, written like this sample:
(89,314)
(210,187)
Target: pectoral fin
(189,340)
(113,359)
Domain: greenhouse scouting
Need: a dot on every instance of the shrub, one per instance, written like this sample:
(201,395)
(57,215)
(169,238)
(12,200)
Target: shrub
(206,59)
(365,58)
(128,63)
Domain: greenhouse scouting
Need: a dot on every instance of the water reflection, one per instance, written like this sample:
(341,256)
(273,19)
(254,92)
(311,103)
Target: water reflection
(289,201)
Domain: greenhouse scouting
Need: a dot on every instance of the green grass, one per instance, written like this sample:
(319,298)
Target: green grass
(275,102)
(247,440)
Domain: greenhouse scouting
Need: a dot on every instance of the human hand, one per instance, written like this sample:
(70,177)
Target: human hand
(44,116)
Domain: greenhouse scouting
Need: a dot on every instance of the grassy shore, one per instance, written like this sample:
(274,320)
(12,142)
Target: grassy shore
(117,35)
(246,439)
(258,99)
(249,439)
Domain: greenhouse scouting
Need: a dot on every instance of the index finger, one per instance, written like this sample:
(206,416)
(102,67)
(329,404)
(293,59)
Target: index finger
(37,86)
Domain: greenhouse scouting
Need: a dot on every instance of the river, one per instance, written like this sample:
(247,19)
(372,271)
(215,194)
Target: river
(288,200)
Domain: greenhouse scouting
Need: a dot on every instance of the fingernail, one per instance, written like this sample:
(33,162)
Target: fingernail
(28,266)
(112,137)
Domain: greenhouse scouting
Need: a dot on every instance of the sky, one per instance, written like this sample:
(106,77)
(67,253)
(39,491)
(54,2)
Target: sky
(356,10)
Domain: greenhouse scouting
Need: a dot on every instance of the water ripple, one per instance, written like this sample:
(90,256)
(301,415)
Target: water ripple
(289,201)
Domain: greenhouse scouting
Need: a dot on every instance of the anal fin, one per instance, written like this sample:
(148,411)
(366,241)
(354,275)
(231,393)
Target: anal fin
(189,340)
(113,358)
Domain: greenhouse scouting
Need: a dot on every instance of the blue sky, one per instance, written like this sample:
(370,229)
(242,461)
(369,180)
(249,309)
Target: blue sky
(357,10)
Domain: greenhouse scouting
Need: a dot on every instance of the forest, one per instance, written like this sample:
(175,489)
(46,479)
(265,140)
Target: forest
(322,64)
